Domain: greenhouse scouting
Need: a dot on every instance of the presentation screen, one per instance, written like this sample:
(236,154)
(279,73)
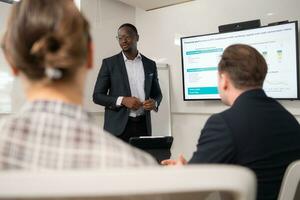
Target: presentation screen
(278,44)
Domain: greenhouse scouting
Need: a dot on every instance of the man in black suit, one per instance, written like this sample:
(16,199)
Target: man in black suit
(256,131)
(128,87)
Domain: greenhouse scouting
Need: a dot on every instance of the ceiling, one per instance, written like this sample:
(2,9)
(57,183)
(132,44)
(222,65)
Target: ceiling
(153,4)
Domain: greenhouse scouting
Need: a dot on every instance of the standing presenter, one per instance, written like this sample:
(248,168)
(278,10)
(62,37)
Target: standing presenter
(127,86)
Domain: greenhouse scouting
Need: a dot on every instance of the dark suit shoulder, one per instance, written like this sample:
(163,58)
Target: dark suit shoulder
(148,60)
(216,144)
(262,125)
(112,58)
(215,118)
(112,63)
(218,122)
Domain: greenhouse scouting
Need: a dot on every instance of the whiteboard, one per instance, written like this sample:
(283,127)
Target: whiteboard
(161,121)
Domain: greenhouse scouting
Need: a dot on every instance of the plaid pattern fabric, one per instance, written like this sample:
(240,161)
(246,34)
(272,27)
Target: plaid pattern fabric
(56,135)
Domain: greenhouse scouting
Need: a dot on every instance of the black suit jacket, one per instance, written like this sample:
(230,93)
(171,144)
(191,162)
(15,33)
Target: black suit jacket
(112,82)
(256,132)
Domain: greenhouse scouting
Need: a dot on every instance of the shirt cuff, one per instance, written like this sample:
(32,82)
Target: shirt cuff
(156,106)
(119,101)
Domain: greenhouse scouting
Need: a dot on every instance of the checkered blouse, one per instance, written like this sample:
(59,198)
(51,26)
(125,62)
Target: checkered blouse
(56,135)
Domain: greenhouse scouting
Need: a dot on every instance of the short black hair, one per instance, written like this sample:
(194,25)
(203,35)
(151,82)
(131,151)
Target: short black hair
(131,26)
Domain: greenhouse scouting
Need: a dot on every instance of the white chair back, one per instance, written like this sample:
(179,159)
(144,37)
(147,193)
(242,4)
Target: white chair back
(290,182)
(171,183)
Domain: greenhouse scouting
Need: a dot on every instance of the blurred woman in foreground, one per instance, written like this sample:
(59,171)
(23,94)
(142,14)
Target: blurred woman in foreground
(48,46)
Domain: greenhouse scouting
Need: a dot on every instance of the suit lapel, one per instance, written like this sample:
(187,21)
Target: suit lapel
(148,77)
(124,73)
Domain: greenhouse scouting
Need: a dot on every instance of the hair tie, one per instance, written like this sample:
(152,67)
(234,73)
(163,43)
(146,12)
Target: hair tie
(53,73)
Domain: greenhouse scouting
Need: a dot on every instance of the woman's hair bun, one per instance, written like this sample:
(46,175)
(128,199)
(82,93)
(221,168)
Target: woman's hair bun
(47,44)
(47,34)
(53,44)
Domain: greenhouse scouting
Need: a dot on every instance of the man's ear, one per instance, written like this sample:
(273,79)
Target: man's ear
(227,81)
(15,71)
(90,56)
(221,80)
(137,37)
(224,81)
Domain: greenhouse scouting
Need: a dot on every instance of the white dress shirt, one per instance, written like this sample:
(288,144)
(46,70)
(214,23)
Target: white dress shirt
(136,78)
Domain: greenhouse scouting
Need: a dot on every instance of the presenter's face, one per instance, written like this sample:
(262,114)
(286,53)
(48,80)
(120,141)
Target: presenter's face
(127,39)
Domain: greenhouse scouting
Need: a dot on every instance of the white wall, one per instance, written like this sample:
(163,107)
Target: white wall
(161,29)
(6,78)
(4,11)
